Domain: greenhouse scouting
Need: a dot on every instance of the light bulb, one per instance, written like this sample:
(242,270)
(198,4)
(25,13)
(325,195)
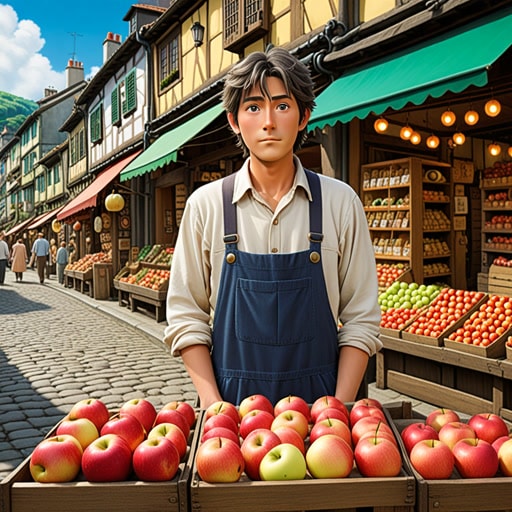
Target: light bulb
(381,125)
(415,138)
(471,117)
(405,132)
(494,149)
(448,118)
(433,141)
(459,138)
(492,108)
(509,151)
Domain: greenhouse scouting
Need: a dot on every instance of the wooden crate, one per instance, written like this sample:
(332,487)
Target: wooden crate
(500,280)
(457,494)
(347,494)
(482,280)
(495,350)
(19,493)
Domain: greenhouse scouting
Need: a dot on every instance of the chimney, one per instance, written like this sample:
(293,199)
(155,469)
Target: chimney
(110,45)
(49,91)
(74,72)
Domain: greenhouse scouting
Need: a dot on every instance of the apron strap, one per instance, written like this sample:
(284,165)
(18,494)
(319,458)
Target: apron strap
(315,208)
(230,229)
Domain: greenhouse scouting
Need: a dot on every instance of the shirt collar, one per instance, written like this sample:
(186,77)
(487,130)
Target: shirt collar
(243,181)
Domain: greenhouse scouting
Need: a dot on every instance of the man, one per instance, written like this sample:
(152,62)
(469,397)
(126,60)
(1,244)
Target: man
(61,260)
(4,257)
(41,250)
(270,260)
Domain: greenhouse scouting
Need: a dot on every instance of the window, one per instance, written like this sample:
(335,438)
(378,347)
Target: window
(34,130)
(169,61)
(50,178)
(129,103)
(96,124)
(245,21)
(56,173)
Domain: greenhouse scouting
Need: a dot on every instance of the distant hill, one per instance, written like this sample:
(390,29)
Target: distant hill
(14,110)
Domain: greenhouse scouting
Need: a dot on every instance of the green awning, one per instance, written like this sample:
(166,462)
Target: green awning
(165,149)
(451,62)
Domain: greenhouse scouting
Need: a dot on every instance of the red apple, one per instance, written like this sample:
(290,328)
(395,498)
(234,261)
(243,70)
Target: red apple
(255,401)
(82,429)
(373,402)
(92,409)
(331,412)
(220,420)
(475,458)
(432,459)
(183,408)
(56,459)
(415,432)
(377,457)
(293,403)
(222,407)
(363,411)
(440,417)
(142,409)
(255,419)
(498,442)
(452,432)
(488,426)
(330,456)
(505,457)
(294,419)
(173,433)
(219,460)
(156,460)
(379,433)
(327,402)
(330,426)
(254,448)
(290,436)
(369,424)
(108,459)
(173,416)
(221,432)
(128,427)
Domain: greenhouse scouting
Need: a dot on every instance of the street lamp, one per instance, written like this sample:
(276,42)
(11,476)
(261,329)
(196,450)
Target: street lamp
(197,33)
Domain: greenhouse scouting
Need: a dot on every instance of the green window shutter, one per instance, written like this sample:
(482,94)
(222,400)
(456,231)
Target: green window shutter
(96,125)
(130,89)
(116,111)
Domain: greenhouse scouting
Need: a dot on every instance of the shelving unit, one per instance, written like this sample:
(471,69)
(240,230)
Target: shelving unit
(408,204)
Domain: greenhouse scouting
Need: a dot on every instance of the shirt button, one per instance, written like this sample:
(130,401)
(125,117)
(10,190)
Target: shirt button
(274,250)
(275,222)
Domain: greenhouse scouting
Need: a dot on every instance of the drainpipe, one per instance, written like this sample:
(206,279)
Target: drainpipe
(149,83)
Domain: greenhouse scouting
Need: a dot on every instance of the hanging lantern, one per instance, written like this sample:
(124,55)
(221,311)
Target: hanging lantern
(381,125)
(56,226)
(492,108)
(494,149)
(471,117)
(77,226)
(509,151)
(405,132)
(448,118)
(459,138)
(114,202)
(415,138)
(433,141)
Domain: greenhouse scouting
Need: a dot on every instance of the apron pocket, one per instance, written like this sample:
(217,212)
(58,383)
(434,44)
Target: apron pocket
(274,312)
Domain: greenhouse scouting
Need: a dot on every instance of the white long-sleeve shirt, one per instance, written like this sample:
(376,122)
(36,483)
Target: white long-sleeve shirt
(347,255)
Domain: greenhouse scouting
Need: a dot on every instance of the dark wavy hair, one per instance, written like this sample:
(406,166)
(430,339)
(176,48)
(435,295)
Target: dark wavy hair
(255,69)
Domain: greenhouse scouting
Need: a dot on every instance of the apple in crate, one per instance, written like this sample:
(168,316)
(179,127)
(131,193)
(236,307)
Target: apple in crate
(291,436)
(183,408)
(128,427)
(255,446)
(330,426)
(377,457)
(173,433)
(156,460)
(220,420)
(498,442)
(92,409)
(56,459)
(330,456)
(293,419)
(432,459)
(369,424)
(380,432)
(505,457)
(175,417)
(363,411)
(332,412)
(488,426)
(283,462)
(416,432)
(372,402)
(475,458)
(254,419)
(256,401)
(221,432)
(439,417)
(142,409)
(219,460)
(222,407)
(108,459)
(327,402)
(82,429)
(292,403)
(452,432)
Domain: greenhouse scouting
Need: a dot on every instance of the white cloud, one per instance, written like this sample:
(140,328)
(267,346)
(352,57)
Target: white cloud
(24,70)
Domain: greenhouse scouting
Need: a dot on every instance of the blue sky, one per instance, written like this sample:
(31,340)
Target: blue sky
(36,40)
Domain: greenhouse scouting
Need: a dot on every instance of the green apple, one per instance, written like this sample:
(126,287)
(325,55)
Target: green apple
(283,462)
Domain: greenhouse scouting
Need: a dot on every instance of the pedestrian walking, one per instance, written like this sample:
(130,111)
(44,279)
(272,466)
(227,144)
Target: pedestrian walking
(40,251)
(4,257)
(271,259)
(61,259)
(19,259)
(52,259)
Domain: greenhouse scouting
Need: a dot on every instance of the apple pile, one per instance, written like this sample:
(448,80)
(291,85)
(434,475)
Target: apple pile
(292,440)
(138,440)
(502,261)
(486,325)
(448,307)
(478,448)
(154,279)
(388,273)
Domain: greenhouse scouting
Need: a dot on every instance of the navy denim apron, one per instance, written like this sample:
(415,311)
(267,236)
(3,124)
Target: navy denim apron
(273,331)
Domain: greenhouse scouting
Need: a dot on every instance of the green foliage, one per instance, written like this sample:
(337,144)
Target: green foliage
(14,110)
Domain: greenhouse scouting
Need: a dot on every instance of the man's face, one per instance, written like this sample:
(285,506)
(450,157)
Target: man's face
(269,126)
